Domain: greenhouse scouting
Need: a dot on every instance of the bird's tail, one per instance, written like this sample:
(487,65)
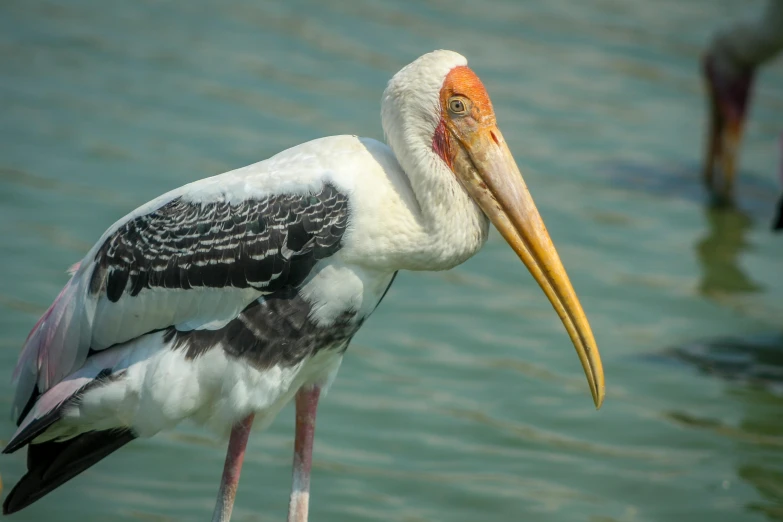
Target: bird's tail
(50,464)
(53,345)
(54,460)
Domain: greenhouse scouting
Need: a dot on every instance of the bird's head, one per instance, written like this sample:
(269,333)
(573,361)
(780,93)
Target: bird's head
(437,109)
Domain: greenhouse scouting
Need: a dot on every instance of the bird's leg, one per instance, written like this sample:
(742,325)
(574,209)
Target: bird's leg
(728,93)
(306,406)
(714,125)
(232,468)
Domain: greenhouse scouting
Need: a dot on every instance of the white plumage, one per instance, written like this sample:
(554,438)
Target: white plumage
(387,232)
(227,297)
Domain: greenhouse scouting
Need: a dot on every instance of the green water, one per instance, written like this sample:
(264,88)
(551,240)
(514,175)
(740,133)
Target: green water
(462,398)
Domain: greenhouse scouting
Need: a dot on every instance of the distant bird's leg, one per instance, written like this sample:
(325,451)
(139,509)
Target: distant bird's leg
(306,406)
(237,444)
(728,99)
(714,124)
(777,224)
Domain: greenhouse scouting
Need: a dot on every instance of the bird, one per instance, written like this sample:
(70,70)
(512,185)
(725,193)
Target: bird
(729,68)
(225,299)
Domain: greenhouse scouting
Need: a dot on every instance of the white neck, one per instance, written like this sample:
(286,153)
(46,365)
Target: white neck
(453,227)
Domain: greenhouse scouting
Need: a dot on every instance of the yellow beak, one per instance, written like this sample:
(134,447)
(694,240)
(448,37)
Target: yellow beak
(489,173)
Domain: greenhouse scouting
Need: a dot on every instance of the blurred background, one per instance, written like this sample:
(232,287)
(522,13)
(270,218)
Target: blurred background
(461,399)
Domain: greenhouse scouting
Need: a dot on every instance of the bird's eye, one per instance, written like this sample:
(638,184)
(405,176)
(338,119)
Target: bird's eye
(458,106)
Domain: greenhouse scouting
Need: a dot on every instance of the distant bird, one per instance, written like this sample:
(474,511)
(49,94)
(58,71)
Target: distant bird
(729,67)
(777,222)
(223,300)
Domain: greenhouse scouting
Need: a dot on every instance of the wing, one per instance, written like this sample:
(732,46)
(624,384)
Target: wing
(187,262)
(264,244)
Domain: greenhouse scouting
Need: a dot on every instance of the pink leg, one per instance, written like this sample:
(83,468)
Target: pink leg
(306,406)
(231,470)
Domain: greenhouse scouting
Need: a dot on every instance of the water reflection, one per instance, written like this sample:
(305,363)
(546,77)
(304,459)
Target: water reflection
(754,365)
(755,368)
(719,251)
(769,483)
(755,361)
(759,462)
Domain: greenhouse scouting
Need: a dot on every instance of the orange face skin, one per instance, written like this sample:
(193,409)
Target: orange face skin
(462,83)
(469,142)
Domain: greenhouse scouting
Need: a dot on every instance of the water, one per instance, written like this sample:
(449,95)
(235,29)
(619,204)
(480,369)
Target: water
(461,399)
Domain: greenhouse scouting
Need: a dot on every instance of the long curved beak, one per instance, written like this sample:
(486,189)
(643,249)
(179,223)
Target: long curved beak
(491,176)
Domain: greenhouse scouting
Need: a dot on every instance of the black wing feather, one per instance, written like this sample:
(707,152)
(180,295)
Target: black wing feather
(268,244)
(51,464)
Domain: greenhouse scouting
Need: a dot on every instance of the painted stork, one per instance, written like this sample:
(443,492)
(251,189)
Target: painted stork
(223,300)
(729,68)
